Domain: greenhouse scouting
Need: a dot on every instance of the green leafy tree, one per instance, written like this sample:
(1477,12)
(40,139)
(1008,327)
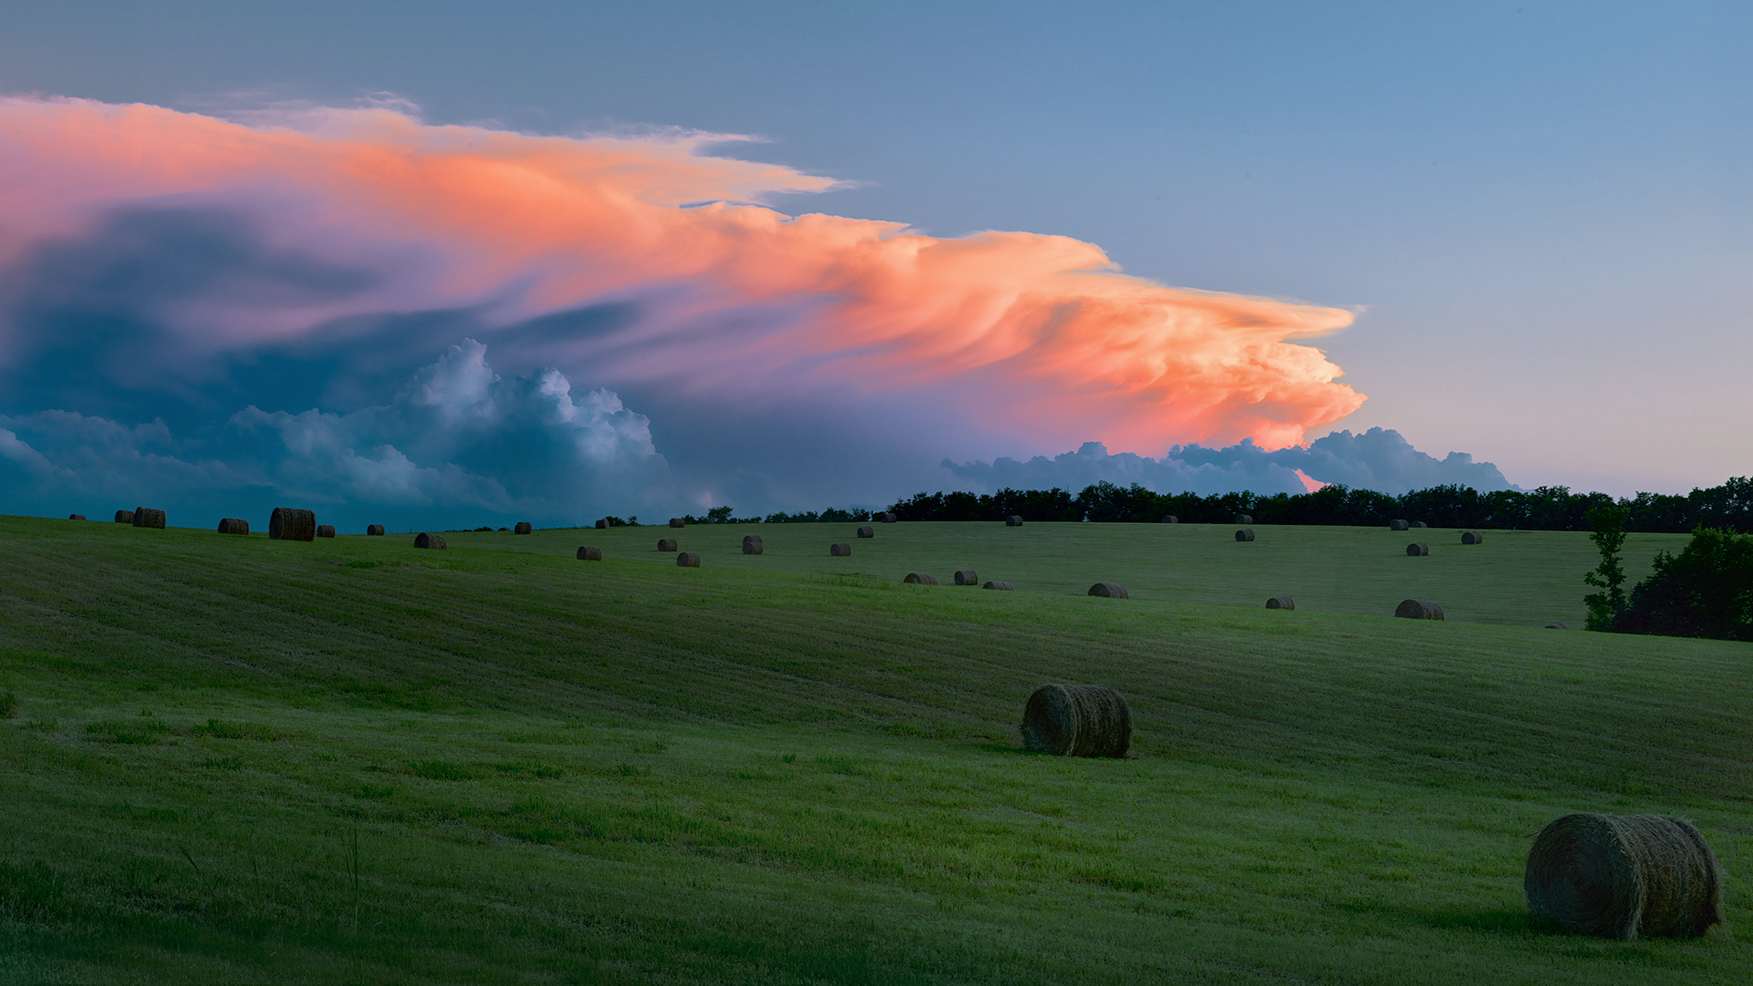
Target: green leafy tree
(1608,524)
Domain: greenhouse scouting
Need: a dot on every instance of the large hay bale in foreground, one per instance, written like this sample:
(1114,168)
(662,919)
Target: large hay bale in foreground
(966,576)
(1109,590)
(149,517)
(125,517)
(75,516)
(292,524)
(1472,537)
(920,578)
(1624,876)
(590,553)
(428,540)
(678,522)
(325,530)
(1001,586)
(1281,602)
(688,559)
(1418,549)
(523,527)
(1419,609)
(1171,519)
(1245,534)
(752,544)
(840,549)
(1398,525)
(1013,521)
(866,532)
(666,544)
(374,530)
(234,525)
(1078,721)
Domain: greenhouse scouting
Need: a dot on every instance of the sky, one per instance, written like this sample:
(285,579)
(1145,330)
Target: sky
(550,259)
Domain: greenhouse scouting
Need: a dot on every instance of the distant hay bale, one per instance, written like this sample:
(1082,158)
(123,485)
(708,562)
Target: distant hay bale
(1280,602)
(590,553)
(1398,525)
(752,544)
(374,530)
(1013,521)
(1078,721)
(1109,590)
(1244,519)
(426,540)
(1418,549)
(1555,625)
(125,517)
(1001,586)
(1419,523)
(886,518)
(1245,534)
(920,578)
(666,544)
(234,525)
(75,516)
(325,530)
(678,522)
(840,549)
(1171,519)
(866,532)
(603,524)
(966,576)
(149,517)
(523,527)
(1472,537)
(688,559)
(1419,609)
(1624,876)
(292,524)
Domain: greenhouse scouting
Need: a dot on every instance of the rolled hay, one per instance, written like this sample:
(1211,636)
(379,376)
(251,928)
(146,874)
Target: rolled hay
(149,517)
(1281,602)
(1419,609)
(523,527)
(920,578)
(325,530)
(885,518)
(666,544)
(1624,876)
(1419,524)
(234,525)
(75,516)
(1244,519)
(866,532)
(1418,549)
(752,544)
(1398,525)
(125,517)
(374,530)
(590,553)
(426,540)
(1245,534)
(1078,721)
(1171,519)
(1109,590)
(292,524)
(1013,521)
(688,559)
(1555,625)
(840,549)
(1472,537)
(678,522)
(603,524)
(1001,586)
(966,576)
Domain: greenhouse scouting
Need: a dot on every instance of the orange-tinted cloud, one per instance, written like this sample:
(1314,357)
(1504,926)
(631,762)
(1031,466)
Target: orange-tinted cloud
(1033,337)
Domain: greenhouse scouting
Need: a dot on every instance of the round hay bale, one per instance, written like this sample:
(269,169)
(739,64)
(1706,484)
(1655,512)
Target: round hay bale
(1171,519)
(752,545)
(1624,876)
(688,559)
(885,518)
(590,553)
(292,524)
(523,527)
(1280,602)
(966,576)
(1245,534)
(1419,524)
(426,540)
(1472,537)
(1419,609)
(1001,586)
(125,517)
(603,524)
(920,578)
(1109,590)
(149,517)
(234,525)
(1078,721)
(1244,519)
(866,532)
(1013,521)
(1555,625)
(678,522)
(1418,549)
(666,544)
(1398,525)
(75,516)
(374,530)
(840,549)
(325,530)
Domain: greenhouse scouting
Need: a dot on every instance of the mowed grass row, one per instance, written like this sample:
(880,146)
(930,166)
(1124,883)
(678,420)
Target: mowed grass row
(243,759)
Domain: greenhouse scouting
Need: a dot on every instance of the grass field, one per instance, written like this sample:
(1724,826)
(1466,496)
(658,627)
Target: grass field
(233,759)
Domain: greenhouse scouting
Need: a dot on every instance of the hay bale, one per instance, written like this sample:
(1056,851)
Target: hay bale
(866,532)
(125,517)
(325,530)
(1109,590)
(966,576)
(886,518)
(1078,721)
(590,553)
(678,522)
(292,524)
(1245,534)
(149,517)
(523,527)
(1001,586)
(1418,549)
(688,559)
(920,578)
(1171,519)
(1555,625)
(666,544)
(1013,521)
(602,524)
(1244,520)
(1624,876)
(1398,525)
(752,544)
(374,530)
(1419,609)
(425,540)
(1280,602)
(840,549)
(75,516)
(234,525)
(1419,524)
(1472,537)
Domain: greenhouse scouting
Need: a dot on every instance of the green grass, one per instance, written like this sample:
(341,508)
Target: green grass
(244,760)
